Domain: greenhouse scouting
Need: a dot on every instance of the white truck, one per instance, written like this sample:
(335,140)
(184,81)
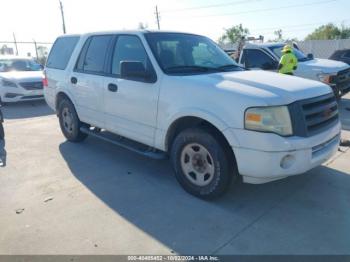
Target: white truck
(265,56)
(179,95)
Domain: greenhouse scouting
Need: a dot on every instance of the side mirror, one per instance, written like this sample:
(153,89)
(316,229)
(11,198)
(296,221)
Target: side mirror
(310,56)
(135,70)
(270,66)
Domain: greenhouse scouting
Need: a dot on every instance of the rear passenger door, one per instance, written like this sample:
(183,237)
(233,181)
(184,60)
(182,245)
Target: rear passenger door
(87,79)
(131,105)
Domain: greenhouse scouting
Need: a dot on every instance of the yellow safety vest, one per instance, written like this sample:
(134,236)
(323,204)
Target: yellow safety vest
(288,62)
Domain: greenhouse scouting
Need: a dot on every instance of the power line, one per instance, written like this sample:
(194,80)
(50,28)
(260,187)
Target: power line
(210,6)
(300,25)
(266,9)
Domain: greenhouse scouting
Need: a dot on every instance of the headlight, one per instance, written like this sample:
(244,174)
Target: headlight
(9,83)
(326,78)
(275,119)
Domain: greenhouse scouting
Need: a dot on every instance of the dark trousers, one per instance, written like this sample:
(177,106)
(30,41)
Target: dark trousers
(2,144)
(2,151)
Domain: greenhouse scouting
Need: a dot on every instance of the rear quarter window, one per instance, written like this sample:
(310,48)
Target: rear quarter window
(61,52)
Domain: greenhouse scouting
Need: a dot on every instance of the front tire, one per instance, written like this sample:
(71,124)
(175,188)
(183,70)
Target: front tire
(69,122)
(202,164)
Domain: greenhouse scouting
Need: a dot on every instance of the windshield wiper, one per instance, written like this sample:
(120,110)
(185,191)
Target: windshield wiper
(304,59)
(229,66)
(190,68)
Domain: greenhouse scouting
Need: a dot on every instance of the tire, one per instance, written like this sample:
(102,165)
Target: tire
(202,164)
(69,122)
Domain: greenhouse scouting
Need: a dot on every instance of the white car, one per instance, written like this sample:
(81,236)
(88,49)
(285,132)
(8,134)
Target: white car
(267,55)
(179,95)
(20,79)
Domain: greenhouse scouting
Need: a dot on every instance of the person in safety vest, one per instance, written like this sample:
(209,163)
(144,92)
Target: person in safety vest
(288,62)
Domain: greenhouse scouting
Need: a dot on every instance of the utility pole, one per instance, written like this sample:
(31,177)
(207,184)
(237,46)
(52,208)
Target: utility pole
(36,49)
(157,17)
(15,41)
(62,14)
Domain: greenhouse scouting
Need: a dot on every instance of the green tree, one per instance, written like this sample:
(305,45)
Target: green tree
(142,26)
(234,34)
(279,37)
(279,34)
(329,31)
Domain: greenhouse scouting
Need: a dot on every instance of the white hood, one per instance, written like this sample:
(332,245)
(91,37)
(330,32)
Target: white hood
(324,65)
(268,87)
(23,76)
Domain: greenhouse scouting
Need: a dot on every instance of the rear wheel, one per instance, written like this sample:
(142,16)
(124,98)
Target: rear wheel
(69,122)
(202,165)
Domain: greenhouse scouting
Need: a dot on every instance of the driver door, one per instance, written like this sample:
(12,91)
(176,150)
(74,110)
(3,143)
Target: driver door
(130,106)
(255,59)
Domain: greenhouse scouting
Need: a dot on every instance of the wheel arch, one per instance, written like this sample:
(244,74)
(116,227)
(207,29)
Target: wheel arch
(186,122)
(62,95)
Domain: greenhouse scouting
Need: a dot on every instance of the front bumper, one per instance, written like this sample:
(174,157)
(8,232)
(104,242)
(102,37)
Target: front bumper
(263,157)
(9,95)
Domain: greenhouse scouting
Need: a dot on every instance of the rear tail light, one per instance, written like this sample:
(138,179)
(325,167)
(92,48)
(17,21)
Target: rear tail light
(45,82)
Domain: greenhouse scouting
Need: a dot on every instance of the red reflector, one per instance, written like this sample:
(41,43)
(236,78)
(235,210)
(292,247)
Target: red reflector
(45,82)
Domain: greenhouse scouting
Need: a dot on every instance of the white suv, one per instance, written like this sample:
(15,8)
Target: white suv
(179,95)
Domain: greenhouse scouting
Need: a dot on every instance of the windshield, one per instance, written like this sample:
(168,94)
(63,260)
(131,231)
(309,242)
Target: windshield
(179,53)
(16,64)
(277,50)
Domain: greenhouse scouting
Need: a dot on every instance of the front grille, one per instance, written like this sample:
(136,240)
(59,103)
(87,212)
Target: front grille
(32,85)
(342,80)
(314,115)
(344,75)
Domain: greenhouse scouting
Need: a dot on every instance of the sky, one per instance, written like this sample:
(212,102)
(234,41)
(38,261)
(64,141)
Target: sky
(41,19)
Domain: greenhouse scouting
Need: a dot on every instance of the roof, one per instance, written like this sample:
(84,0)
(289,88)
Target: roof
(136,32)
(267,44)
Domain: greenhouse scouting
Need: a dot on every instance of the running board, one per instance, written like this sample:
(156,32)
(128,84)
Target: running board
(125,143)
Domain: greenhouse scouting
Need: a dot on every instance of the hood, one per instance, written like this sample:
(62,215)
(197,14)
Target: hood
(23,76)
(264,87)
(324,65)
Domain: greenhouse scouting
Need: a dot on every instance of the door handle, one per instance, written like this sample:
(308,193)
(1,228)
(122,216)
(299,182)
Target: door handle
(113,87)
(74,80)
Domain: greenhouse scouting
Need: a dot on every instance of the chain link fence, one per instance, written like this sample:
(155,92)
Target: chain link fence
(37,50)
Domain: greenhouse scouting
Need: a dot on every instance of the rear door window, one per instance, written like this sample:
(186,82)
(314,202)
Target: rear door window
(95,57)
(61,52)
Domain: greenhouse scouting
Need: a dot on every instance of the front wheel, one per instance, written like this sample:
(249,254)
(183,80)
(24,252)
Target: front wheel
(202,164)
(69,122)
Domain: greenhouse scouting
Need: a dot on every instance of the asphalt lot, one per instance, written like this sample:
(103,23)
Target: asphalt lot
(95,198)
